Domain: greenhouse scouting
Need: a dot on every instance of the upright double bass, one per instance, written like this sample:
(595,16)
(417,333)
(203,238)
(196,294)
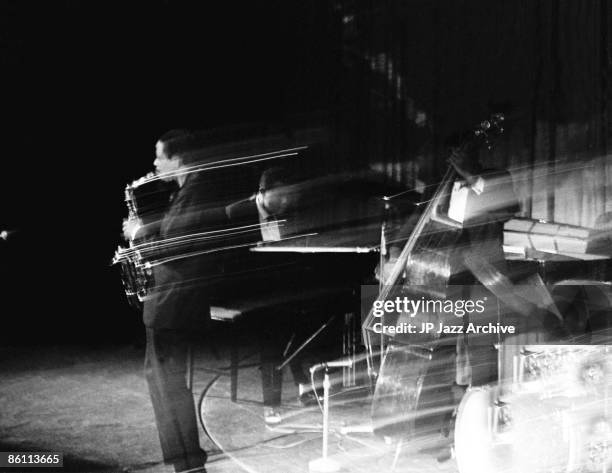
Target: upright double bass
(408,361)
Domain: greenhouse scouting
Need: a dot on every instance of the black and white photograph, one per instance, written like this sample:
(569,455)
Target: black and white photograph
(306,236)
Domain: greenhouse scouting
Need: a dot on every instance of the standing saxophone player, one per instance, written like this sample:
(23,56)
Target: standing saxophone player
(176,304)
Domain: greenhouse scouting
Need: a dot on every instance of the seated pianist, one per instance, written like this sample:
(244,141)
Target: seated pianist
(270,212)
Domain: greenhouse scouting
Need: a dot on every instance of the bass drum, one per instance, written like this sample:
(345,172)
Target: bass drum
(412,394)
(476,449)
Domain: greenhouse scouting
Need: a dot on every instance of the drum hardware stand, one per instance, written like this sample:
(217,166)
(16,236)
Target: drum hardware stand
(499,421)
(499,410)
(519,366)
(324,464)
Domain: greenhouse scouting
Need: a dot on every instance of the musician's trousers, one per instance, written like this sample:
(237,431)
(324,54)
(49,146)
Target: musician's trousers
(165,371)
(274,339)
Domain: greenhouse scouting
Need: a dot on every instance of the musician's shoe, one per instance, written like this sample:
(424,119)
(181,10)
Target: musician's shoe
(272,416)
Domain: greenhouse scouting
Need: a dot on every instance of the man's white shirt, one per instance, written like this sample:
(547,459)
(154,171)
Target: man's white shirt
(270,230)
(459,197)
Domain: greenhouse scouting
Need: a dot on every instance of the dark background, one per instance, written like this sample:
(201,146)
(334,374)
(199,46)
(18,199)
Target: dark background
(87,87)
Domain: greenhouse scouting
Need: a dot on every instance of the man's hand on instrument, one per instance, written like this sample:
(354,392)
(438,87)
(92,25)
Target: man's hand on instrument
(131,227)
(457,160)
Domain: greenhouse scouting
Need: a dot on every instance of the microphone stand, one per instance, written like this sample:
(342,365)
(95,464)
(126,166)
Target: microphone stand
(324,464)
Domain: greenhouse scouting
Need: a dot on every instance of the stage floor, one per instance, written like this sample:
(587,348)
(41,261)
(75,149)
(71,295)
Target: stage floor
(92,404)
(240,431)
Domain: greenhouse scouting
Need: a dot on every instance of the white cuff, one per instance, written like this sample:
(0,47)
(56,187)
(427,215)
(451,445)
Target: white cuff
(135,231)
(478,186)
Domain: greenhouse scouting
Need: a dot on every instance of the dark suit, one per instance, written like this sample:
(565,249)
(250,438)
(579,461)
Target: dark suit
(177,304)
(483,227)
(279,324)
(482,235)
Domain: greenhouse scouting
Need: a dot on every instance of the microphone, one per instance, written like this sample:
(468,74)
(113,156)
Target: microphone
(347,363)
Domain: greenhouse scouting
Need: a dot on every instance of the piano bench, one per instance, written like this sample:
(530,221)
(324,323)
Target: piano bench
(232,312)
(229,315)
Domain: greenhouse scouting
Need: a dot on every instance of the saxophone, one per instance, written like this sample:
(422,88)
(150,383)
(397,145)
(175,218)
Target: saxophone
(136,273)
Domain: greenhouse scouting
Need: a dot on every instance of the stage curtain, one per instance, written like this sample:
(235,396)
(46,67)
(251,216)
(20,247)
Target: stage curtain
(418,71)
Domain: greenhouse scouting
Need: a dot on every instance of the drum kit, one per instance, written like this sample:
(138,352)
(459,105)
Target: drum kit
(555,418)
(551,410)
